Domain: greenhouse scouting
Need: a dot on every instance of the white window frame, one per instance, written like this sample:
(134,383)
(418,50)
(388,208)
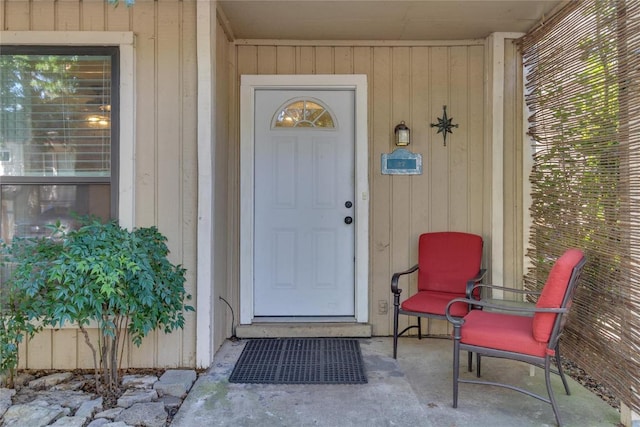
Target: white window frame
(125,42)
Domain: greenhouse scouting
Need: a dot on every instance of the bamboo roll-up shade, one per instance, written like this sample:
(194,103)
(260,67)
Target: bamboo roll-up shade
(582,78)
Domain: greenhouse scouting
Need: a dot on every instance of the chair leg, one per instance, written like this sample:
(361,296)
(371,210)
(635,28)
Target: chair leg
(560,371)
(396,307)
(478,362)
(552,399)
(470,362)
(419,328)
(456,363)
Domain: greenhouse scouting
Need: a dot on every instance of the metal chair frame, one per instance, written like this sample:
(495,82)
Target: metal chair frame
(471,284)
(553,346)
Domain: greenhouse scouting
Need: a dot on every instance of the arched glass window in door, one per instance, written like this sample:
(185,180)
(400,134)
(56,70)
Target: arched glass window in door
(304,113)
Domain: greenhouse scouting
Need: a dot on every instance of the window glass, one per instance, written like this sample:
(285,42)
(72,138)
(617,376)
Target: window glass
(58,122)
(304,113)
(55,115)
(27,210)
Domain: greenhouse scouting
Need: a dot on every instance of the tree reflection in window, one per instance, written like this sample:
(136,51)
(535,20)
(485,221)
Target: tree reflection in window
(304,113)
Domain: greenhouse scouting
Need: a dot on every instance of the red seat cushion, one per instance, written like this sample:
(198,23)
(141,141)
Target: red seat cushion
(435,303)
(553,293)
(501,331)
(447,260)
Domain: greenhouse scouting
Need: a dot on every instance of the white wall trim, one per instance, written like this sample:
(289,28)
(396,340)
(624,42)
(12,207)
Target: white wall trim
(496,63)
(125,42)
(126,183)
(365,43)
(251,83)
(67,38)
(205,264)
(496,100)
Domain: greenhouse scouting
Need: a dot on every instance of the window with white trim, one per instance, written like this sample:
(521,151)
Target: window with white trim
(58,136)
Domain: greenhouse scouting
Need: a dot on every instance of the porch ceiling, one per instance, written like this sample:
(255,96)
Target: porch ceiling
(380,19)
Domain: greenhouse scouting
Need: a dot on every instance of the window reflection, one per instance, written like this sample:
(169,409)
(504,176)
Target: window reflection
(27,210)
(304,113)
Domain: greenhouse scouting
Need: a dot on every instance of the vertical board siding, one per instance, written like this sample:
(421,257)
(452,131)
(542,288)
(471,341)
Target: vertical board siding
(18,16)
(41,16)
(225,220)
(92,15)
(400,191)
(119,18)
(381,201)
(411,84)
(226,87)
(67,16)
(189,173)
(166,180)
(145,21)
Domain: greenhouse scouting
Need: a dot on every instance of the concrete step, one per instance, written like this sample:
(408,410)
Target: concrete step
(299,330)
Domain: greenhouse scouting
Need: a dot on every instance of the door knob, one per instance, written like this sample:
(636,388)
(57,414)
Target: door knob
(348,204)
(348,220)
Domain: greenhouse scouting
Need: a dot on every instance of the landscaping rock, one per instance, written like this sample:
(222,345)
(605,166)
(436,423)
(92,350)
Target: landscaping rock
(49,380)
(5,399)
(90,407)
(70,422)
(22,379)
(109,414)
(133,396)
(144,414)
(68,399)
(57,400)
(175,382)
(139,381)
(32,415)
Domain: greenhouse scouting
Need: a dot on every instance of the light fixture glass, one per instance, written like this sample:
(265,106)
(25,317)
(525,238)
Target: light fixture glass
(402,134)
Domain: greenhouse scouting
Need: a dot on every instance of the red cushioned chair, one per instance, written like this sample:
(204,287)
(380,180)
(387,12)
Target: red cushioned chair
(512,333)
(448,267)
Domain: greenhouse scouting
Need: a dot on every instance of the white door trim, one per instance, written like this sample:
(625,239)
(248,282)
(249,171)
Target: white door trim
(251,83)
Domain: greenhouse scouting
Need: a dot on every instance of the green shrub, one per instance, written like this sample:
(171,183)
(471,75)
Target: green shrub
(103,273)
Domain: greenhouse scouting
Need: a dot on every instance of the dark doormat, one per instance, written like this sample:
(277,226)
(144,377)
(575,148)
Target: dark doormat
(300,361)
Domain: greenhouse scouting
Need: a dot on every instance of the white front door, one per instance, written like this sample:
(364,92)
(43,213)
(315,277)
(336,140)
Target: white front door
(304,203)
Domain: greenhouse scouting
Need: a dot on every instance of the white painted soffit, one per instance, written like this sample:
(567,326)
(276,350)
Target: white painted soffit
(381,19)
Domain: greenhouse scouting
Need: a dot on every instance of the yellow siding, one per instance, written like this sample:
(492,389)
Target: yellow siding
(166,177)
(410,83)
(223,233)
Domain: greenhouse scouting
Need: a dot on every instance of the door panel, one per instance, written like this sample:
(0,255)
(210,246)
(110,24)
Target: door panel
(303,249)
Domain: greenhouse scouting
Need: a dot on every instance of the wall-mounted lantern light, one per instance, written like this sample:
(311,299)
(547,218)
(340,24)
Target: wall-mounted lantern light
(402,134)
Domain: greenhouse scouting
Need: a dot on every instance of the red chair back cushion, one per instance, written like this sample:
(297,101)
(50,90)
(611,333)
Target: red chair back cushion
(553,293)
(447,260)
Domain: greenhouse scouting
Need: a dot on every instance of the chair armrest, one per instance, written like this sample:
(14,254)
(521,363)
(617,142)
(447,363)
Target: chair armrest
(481,303)
(396,277)
(474,282)
(502,288)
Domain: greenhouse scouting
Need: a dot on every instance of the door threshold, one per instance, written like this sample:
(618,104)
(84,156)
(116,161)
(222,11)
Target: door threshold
(304,329)
(304,319)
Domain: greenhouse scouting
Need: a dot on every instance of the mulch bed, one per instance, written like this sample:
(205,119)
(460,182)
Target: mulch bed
(580,376)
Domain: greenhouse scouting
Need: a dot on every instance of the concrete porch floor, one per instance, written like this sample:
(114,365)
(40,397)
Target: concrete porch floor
(414,390)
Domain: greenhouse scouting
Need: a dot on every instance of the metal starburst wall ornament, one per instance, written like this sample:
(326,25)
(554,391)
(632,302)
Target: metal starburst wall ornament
(444,125)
